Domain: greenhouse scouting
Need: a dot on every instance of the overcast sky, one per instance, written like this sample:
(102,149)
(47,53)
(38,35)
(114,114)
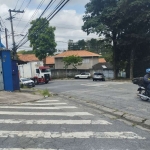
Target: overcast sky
(68,21)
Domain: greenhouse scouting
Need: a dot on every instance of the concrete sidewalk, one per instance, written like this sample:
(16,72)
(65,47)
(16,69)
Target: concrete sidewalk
(18,97)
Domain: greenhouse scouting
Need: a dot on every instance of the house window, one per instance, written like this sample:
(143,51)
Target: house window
(85,61)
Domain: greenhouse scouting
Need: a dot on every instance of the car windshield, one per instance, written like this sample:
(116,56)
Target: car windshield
(25,79)
(98,74)
(45,70)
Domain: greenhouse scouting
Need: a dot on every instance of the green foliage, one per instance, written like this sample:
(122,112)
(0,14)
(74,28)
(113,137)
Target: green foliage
(126,23)
(45,92)
(42,40)
(101,17)
(79,45)
(72,60)
(94,45)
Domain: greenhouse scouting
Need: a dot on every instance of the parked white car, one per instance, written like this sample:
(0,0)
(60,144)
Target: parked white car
(27,82)
(83,75)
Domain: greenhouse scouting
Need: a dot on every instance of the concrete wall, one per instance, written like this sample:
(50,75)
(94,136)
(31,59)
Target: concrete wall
(63,73)
(29,70)
(70,73)
(87,63)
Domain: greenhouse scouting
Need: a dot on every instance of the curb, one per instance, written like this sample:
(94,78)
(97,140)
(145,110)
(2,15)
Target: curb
(23,101)
(117,113)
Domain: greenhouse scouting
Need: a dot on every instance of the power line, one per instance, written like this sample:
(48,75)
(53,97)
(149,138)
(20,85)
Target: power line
(36,11)
(41,3)
(57,9)
(22,4)
(48,6)
(23,14)
(3,22)
(16,4)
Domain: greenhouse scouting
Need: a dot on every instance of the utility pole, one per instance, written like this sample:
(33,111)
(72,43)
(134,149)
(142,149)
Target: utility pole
(6,38)
(12,30)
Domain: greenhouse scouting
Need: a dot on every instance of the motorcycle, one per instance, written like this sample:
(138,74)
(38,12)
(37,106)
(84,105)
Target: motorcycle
(144,94)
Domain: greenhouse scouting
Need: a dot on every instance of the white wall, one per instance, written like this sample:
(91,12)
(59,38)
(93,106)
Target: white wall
(29,70)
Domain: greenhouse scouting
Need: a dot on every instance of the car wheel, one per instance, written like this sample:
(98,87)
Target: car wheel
(93,80)
(103,79)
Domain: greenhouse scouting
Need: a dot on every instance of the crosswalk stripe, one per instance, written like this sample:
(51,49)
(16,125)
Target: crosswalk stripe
(47,113)
(44,101)
(72,122)
(22,107)
(70,135)
(40,104)
(27,149)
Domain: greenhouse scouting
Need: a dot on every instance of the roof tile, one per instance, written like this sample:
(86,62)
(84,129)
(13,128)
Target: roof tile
(102,60)
(28,57)
(50,60)
(81,53)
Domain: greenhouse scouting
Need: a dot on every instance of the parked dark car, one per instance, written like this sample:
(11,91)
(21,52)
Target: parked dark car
(98,76)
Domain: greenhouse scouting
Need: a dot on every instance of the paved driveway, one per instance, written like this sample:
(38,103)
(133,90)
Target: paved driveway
(117,95)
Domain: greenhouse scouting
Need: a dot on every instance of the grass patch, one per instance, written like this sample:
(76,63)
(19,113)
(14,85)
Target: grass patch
(133,125)
(44,93)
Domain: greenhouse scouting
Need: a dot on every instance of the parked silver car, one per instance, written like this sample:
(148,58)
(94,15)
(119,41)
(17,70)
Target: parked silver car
(98,76)
(27,82)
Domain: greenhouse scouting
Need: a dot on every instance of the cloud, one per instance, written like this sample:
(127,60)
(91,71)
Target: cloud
(68,23)
(71,2)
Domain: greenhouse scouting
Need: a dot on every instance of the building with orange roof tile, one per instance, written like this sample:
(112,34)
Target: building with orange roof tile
(32,62)
(50,61)
(89,59)
(27,57)
(102,60)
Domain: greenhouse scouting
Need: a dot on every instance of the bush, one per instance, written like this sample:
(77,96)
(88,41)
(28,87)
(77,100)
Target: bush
(45,92)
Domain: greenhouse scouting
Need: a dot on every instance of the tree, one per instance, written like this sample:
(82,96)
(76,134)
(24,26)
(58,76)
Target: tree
(127,24)
(79,45)
(72,60)
(101,17)
(42,38)
(134,24)
(82,44)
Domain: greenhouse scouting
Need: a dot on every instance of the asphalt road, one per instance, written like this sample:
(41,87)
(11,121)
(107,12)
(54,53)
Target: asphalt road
(117,95)
(58,124)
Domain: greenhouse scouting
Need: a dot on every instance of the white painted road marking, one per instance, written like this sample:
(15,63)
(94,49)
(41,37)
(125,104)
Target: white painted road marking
(70,135)
(72,122)
(47,113)
(44,101)
(22,107)
(40,104)
(28,149)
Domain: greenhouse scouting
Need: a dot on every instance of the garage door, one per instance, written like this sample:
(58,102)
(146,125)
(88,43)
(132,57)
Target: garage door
(1,76)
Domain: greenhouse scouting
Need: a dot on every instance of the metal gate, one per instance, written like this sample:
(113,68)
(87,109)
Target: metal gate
(15,75)
(1,76)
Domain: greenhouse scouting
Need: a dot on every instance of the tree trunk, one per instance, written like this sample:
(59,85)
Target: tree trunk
(114,55)
(132,63)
